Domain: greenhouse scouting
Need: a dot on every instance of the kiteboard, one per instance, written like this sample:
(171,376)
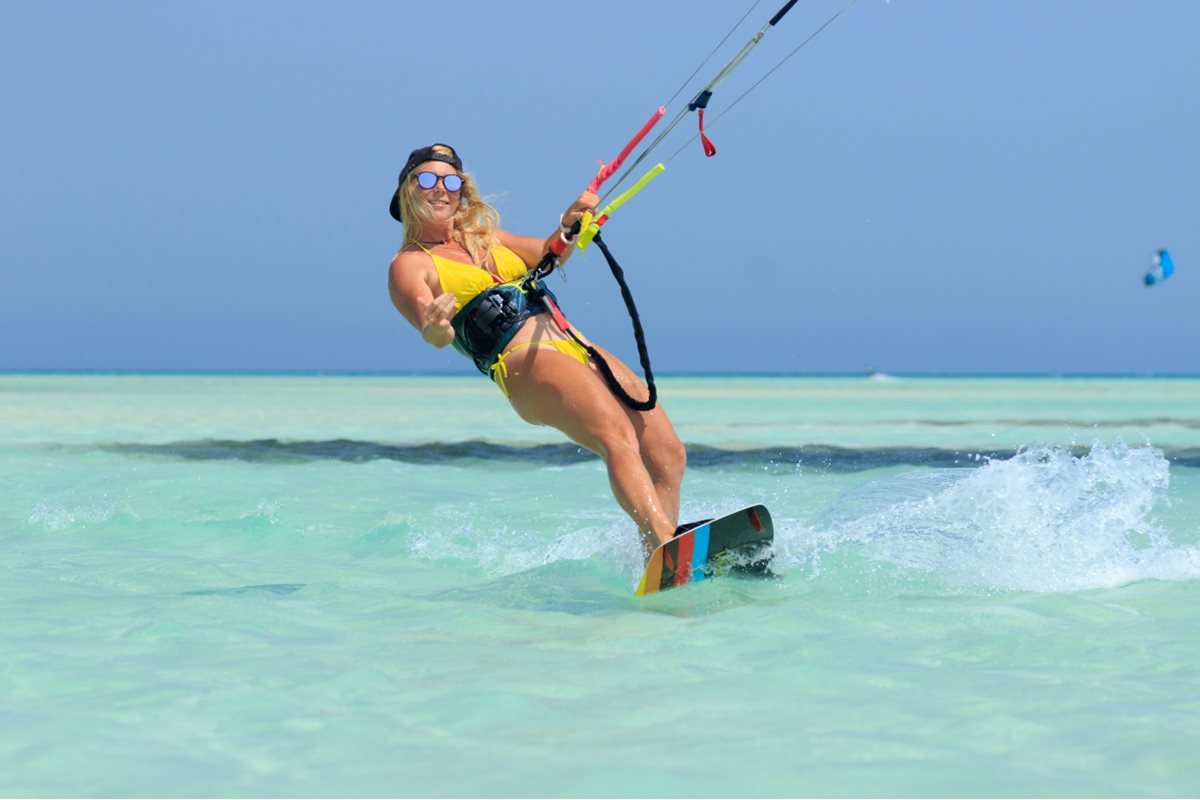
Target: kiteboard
(735,543)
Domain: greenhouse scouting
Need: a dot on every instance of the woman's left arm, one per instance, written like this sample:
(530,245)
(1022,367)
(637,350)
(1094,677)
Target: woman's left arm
(531,250)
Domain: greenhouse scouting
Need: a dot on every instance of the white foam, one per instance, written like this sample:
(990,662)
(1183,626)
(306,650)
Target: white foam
(1044,520)
(54,516)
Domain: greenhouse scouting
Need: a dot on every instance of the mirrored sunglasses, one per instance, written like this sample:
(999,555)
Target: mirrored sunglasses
(428,180)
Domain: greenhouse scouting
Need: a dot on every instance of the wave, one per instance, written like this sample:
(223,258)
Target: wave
(1047,519)
(700,456)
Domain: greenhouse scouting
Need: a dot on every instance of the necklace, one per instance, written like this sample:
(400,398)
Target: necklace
(433,241)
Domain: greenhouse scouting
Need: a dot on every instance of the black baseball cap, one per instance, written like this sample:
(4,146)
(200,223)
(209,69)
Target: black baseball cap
(420,156)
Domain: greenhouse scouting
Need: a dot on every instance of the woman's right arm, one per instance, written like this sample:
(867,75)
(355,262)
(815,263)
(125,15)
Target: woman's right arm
(409,287)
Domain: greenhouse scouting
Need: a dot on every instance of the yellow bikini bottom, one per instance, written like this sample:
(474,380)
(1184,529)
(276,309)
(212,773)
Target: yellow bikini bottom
(569,346)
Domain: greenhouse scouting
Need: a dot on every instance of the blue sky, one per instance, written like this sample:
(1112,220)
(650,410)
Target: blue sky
(955,186)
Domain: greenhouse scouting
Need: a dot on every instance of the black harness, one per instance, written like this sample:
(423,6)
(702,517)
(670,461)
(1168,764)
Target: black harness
(485,325)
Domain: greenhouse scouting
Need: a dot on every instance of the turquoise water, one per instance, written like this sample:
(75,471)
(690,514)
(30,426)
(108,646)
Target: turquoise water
(365,586)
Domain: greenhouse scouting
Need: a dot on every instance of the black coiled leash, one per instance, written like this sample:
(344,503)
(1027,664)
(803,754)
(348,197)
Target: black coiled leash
(545,268)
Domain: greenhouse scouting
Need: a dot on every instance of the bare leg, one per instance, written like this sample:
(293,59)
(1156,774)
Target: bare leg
(547,387)
(663,455)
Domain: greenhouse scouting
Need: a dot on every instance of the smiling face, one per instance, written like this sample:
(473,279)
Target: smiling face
(430,211)
(440,203)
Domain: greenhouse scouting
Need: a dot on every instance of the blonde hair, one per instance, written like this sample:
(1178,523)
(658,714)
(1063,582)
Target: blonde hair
(475,220)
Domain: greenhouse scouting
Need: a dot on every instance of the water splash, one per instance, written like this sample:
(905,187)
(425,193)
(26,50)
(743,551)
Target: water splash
(1044,520)
(54,516)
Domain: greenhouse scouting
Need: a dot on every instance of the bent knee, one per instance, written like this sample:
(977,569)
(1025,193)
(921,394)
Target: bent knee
(676,456)
(616,441)
(668,458)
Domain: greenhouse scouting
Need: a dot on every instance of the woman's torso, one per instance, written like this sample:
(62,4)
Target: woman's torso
(466,281)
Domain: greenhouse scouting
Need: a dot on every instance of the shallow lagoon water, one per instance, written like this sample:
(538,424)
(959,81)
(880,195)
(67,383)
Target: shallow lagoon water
(389,585)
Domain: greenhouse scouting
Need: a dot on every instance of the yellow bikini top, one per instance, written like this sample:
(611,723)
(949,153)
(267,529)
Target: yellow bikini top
(464,281)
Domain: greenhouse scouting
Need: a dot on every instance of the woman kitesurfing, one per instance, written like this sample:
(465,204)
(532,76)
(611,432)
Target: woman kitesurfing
(458,280)
(462,280)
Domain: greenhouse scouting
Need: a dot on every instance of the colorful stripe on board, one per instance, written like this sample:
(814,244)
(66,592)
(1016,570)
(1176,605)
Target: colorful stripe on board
(699,552)
(683,559)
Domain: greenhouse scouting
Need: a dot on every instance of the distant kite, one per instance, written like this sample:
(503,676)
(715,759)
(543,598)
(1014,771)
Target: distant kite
(1160,269)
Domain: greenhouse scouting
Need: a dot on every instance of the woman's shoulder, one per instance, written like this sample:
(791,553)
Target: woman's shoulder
(503,238)
(410,264)
(411,257)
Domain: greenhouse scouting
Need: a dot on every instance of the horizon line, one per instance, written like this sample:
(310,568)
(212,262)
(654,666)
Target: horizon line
(866,374)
